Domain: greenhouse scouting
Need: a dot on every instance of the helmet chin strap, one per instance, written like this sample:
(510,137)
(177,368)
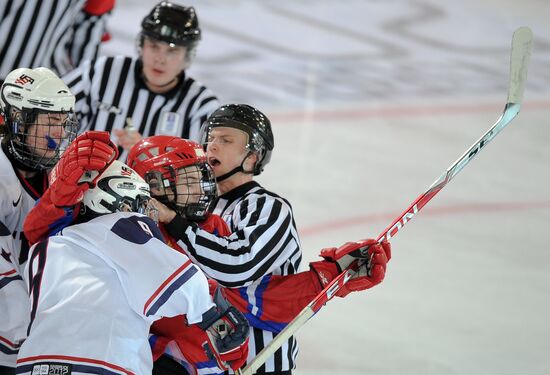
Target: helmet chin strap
(229,174)
(235,170)
(12,153)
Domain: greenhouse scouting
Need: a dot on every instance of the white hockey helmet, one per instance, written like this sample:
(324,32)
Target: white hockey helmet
(26,94)
(118,188)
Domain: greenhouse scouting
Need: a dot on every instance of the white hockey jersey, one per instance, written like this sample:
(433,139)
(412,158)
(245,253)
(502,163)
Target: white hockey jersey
(96,288)
(16,200)
(15,203)
(14,302)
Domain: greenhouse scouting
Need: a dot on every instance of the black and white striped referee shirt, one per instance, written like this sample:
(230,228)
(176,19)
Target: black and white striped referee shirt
(111,92)
(54,34)
(264,241)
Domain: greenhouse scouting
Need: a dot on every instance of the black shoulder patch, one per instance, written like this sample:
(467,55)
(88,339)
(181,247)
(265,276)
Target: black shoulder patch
(137,229)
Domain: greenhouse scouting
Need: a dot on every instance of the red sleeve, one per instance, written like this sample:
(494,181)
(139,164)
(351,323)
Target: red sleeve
(215,224)
(283,297)
(45,218)
(188,338)
(98,7)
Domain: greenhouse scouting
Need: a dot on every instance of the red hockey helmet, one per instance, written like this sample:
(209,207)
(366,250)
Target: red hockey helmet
(177,172)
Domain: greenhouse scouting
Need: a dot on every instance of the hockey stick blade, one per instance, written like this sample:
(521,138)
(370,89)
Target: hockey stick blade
(522,42)
(519,61)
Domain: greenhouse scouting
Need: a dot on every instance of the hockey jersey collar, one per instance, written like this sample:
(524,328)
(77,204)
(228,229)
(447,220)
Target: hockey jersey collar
(239,192)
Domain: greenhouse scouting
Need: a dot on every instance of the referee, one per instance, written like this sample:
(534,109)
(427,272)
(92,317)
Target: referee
(137,97)
(53,34)
(264,239)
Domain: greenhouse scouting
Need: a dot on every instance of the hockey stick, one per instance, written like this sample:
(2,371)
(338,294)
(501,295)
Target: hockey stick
(519,61)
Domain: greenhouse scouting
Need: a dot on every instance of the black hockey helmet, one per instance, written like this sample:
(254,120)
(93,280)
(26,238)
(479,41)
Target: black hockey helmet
(172,23)
(252,122)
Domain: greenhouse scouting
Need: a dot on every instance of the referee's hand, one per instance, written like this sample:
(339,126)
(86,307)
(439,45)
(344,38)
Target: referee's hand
(127,138)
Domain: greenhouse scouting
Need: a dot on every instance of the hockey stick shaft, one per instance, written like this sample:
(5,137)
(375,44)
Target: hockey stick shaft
(519,61)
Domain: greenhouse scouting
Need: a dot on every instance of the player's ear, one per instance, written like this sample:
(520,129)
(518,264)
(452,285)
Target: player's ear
(250,161)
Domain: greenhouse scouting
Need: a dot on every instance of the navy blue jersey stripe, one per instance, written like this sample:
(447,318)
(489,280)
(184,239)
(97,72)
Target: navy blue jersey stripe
(171,289)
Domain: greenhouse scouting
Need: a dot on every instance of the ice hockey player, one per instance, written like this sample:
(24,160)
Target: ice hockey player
(36,122)
(183,185)
(264,240)
(106,278)
(37,108)
(180,177)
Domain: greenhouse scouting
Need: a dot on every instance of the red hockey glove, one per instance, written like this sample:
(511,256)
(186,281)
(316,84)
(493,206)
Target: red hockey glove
(227,330)
(338,259)
(90,151)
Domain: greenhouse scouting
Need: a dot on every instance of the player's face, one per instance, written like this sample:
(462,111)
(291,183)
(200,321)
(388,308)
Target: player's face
(157,189)
(226,149)
(162,63)
(188,185)
(45,136)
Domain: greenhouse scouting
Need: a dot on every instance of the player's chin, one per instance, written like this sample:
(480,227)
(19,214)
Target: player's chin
(156,77)
(217,170)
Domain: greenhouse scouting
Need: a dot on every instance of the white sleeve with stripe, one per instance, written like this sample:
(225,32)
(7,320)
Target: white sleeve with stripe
(158,281)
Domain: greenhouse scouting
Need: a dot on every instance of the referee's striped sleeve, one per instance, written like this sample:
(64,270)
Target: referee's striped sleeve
(88,32)
(202,105)
(54,34)
(264,239)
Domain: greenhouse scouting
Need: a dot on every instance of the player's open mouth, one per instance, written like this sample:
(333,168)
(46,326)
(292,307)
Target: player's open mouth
(213,162)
